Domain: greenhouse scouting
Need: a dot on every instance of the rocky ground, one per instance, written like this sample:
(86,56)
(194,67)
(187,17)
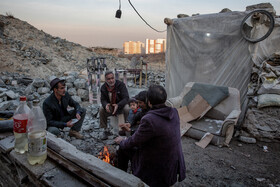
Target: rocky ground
(24,49)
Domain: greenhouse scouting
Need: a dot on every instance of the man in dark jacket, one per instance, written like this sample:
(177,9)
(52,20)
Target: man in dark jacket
(158,160)
(114,98)
(56,113)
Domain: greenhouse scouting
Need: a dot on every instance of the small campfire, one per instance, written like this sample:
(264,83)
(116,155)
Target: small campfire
(108,154)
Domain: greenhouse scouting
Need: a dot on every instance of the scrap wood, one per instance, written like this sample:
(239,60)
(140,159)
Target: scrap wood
(205,140)
(75,169)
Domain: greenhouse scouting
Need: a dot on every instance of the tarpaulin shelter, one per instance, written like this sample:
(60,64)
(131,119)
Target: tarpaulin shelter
(211,49)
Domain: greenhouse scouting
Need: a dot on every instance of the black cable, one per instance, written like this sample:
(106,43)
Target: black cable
(143,18)
(119,4)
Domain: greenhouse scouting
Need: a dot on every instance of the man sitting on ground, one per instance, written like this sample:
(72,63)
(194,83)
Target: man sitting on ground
(114,98)
(56,113)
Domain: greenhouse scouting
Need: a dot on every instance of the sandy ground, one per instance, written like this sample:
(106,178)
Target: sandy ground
(239,165)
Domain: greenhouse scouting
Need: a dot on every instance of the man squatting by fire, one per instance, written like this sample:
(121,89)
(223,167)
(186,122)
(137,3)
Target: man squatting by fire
(155,148)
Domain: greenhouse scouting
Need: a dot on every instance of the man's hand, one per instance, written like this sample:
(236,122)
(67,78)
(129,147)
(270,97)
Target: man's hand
(115,106)
(125,126)
(78,116)
(119,139)
(69,123)
(108,108)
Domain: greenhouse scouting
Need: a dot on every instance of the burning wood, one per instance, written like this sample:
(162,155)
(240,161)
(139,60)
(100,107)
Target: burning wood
(108,154)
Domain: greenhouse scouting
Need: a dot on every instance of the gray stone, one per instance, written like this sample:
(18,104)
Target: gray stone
(72,91)
(37,82)
(80,83)
(29,89)
(77,99)
(83,94)
(5,105)
(69,85)
(70,79)
(43,90)
(3,90)
(11,94)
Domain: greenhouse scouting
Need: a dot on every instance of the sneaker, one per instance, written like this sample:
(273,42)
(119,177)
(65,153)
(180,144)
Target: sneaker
(75,134)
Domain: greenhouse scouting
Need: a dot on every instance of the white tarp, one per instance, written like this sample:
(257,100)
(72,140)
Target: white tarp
(210,49)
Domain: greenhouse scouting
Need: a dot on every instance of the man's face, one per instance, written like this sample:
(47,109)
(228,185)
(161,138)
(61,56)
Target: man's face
(133,105)
(110,79)
(142,104)
(60,89)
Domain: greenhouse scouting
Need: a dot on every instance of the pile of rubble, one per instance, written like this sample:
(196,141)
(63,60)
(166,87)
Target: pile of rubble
(262,118)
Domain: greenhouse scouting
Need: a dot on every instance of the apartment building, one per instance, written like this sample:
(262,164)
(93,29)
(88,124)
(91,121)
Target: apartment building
(132,47)
(155,46)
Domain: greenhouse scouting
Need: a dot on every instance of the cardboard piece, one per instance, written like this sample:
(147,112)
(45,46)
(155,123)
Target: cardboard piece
(205,140)
(184,127)
(197,108)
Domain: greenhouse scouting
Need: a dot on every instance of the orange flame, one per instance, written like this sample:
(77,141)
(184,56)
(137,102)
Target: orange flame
(105,155)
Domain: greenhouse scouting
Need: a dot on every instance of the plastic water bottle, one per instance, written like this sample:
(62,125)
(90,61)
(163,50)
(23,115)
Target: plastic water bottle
(37,140)
(20,122)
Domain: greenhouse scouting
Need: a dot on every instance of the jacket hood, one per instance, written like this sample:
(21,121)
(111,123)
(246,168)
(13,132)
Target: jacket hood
(164,112)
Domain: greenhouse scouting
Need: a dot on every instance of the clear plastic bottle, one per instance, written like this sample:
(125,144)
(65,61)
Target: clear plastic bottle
(20,124)
(37,139)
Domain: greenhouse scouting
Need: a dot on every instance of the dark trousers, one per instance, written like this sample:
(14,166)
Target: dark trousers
(124,156)
(76,127)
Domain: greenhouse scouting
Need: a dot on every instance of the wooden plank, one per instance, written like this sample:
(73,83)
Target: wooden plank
(75,169)
(104,171)
(7,144)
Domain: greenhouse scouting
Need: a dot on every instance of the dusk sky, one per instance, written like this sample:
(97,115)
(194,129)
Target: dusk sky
(93,22)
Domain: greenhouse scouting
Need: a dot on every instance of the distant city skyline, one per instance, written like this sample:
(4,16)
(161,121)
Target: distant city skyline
(92,23)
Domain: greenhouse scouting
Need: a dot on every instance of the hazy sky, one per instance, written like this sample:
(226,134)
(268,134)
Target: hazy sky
(93,22)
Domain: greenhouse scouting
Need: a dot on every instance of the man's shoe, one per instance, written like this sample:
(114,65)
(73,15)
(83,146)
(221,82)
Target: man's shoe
(76,134)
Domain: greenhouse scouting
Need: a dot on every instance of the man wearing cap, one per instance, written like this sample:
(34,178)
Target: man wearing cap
(114,98)
(56,113)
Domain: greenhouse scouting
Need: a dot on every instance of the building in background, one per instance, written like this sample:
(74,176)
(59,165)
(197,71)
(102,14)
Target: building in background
(155,46)
(132,47)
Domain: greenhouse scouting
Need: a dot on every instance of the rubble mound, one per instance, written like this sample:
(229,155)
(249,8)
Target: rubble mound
(25,49)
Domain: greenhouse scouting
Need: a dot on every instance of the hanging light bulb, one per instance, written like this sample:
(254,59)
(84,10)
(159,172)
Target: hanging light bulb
(119,12)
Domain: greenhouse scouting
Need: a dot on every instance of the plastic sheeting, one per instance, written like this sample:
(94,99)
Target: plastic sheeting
(211,49)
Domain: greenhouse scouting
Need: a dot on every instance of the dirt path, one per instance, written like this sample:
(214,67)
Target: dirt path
(240,165)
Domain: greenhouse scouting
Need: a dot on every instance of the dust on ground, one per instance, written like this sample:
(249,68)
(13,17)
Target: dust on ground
(239,165)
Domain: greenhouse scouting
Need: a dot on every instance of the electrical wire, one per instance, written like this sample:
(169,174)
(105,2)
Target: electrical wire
(119,4)
(144,19)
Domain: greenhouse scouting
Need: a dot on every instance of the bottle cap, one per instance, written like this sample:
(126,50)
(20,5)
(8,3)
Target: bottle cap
(22,98)
(36,102)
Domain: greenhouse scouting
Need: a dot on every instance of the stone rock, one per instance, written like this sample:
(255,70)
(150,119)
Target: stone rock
(83,94)
(77,99)
(12,95)
(3,90)
(5,105)
(43,90)
(37,83)
(69,85)
(70,79)
(29,89)
(80,83)
(72,91)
